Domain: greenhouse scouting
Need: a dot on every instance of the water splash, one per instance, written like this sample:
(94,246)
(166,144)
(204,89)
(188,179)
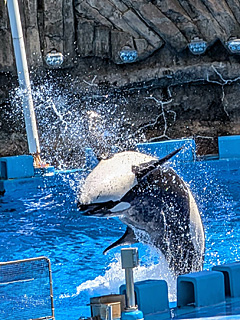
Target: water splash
(72,118)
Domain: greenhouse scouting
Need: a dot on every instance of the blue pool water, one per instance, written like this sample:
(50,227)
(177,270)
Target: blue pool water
(44,220)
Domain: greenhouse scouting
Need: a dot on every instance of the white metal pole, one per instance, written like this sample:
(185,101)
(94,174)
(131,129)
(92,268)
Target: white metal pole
(23,76)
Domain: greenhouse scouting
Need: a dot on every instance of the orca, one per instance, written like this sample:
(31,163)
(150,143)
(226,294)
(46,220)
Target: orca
(150,198)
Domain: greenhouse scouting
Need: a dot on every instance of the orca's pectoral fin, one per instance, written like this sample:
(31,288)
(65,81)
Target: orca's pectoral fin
(128,238)
(141,170)
(169,156)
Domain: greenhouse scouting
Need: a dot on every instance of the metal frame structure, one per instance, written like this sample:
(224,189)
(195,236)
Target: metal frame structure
(50,281)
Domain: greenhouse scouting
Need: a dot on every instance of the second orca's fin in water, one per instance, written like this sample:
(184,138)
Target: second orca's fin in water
(128,238)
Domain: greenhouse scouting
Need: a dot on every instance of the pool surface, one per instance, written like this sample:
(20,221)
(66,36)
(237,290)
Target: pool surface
(43,220)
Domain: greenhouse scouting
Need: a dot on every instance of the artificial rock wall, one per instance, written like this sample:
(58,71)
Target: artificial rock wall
(92,28)
(200,94)
(47,25)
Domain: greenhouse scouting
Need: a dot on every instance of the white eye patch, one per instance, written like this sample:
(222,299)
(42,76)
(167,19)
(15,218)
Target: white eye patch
(120,207)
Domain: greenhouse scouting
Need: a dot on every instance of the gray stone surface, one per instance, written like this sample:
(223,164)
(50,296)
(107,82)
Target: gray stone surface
(179,17)
(235,8)
(102,42)
(69,33)
(85,31)
(143,30)
(30,30)
(221,12)
(6,56)
(53,26)
(62,25)
(84,11)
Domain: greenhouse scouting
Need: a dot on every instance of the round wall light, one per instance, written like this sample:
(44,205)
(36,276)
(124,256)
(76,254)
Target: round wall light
(128,55)
(54,59)
(197,46)
(234,45)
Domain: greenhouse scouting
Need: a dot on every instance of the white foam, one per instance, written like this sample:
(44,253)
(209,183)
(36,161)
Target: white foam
(153,268)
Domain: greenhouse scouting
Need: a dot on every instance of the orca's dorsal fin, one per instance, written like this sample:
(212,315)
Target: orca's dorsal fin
(127,238)
(144,168)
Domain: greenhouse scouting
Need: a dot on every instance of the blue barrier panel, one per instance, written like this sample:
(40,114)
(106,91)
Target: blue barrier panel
(91,160)
(231,272)
(229,147)
(151,298)
(200,289)
(163,148)
(16,167)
